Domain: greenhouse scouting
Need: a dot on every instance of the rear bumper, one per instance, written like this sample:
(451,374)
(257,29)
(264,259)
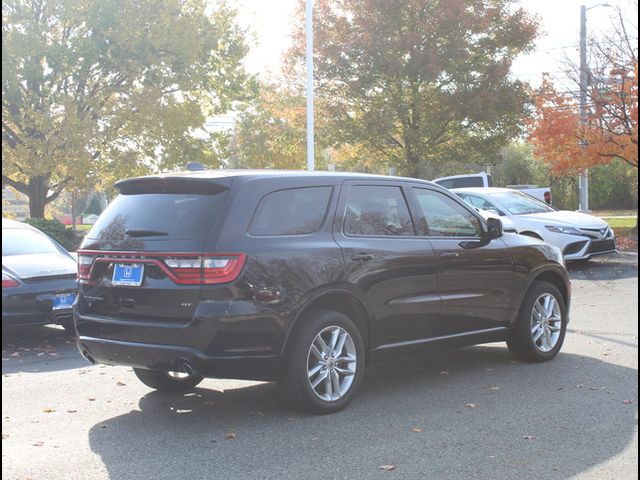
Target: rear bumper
(32,303)
(28,319)
(174,358)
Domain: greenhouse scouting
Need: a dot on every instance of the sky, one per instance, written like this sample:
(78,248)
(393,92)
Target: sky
(271,21)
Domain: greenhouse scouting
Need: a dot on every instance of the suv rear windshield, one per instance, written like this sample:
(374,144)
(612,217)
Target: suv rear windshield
(160,216)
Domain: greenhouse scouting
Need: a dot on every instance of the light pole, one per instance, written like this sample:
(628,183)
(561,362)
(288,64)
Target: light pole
(584,84)
(309,52)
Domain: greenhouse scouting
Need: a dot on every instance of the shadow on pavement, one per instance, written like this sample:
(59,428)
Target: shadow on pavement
(479,414)
(609,267)
(39,349)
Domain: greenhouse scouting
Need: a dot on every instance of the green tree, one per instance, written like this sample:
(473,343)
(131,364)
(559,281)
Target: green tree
(518,166)
(423,82)
(98,89)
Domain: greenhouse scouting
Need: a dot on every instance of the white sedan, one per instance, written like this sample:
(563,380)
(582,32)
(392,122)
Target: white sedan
(578,235)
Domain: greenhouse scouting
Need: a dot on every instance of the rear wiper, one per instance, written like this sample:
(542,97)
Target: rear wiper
(141,232)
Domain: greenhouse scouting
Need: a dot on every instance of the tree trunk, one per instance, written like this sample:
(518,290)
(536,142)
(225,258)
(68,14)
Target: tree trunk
(37,193)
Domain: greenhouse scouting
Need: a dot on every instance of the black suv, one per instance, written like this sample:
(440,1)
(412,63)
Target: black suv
(304,278)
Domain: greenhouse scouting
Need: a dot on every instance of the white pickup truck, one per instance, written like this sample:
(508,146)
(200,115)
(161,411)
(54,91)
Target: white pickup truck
(483,179)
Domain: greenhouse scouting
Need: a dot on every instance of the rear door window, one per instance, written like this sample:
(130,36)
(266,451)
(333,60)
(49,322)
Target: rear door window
(295,211)
(377,210)
(160,216)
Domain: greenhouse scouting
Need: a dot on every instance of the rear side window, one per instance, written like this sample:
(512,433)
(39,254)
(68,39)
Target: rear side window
(465,182)
(377,210)
(159,216)
(296,211)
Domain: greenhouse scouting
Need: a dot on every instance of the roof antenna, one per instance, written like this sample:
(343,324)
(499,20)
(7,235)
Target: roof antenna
(195,166)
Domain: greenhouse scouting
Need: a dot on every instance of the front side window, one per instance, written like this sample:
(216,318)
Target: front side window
(445,217)
(296,211)
(377,210)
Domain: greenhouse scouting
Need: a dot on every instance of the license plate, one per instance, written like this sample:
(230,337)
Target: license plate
(63,301)
(127,274)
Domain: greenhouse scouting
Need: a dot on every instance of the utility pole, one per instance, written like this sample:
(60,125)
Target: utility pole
(584,173)
(310,133)
(584,85)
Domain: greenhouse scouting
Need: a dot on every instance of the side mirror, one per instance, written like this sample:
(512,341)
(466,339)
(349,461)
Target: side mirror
(494,228)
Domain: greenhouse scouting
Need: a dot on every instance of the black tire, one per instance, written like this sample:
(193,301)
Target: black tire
(521,343)
(295,382)
(161,380)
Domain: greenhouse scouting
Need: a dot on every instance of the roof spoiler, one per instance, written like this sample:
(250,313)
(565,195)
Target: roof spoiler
(178,185)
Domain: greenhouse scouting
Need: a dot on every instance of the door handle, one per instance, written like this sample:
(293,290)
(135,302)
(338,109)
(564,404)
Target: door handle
(449,255)
(361,257)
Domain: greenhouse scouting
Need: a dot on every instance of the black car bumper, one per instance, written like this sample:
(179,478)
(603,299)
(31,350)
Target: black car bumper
(32,303)
(178,358)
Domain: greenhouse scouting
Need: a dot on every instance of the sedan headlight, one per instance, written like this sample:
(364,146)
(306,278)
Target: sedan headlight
(565,230)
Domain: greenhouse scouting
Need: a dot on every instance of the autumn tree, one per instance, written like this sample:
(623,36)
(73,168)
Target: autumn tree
(609,129)
(99,89)
(420,82)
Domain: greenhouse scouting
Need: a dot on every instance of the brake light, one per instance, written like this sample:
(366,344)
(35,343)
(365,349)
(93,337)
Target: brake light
(9,282)
(206,270)
(84,266)
(547,197)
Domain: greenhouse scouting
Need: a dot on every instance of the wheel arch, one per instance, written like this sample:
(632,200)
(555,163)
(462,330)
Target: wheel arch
(555,278)
(340,300)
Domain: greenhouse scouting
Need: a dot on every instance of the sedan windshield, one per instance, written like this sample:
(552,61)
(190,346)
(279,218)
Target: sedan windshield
(22,241)
(517,203)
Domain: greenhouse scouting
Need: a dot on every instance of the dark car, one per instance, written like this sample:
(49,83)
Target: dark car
(38,278)
(305,278)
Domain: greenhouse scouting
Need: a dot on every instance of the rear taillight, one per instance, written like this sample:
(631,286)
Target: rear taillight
(547,197)
(206,270)
(182,268)
(9,282)
(84,266)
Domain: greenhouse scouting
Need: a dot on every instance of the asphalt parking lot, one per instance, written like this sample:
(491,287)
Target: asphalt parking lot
(469,413)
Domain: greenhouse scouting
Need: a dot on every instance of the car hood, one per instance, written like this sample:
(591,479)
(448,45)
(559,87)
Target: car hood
(39,265)
(567,218)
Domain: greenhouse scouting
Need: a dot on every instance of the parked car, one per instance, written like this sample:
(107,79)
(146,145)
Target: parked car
(483,179)
(304,278)
(38,278)
(578,235)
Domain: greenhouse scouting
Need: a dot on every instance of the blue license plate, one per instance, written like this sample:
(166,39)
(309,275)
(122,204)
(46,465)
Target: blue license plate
(127,274)
(63,301)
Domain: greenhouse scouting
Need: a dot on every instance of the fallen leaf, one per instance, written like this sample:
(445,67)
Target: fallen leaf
(416,430)
(494,387)
(229,436)
(91,399)
(49,410)
(38,444)
(528,437)
(627,402)
(120,384)
(579,385)
(71,410)
(387,468)
(471,405)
